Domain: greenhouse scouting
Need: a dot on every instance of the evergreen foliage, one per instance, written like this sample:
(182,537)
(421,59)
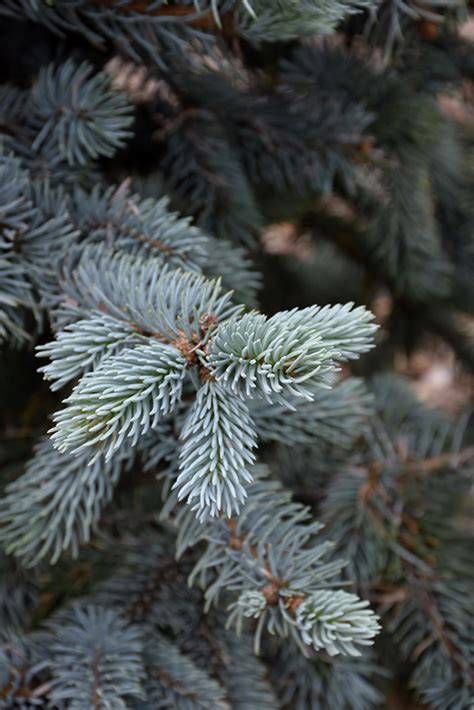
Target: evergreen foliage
(215,493)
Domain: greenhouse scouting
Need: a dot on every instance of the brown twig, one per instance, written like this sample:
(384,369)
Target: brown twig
(205,20)
(270,590)
(430,465)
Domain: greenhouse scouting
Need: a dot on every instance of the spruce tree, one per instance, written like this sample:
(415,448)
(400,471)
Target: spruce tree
(216,491)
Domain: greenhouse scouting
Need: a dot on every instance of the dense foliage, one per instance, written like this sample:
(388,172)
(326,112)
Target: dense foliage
(216,491)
